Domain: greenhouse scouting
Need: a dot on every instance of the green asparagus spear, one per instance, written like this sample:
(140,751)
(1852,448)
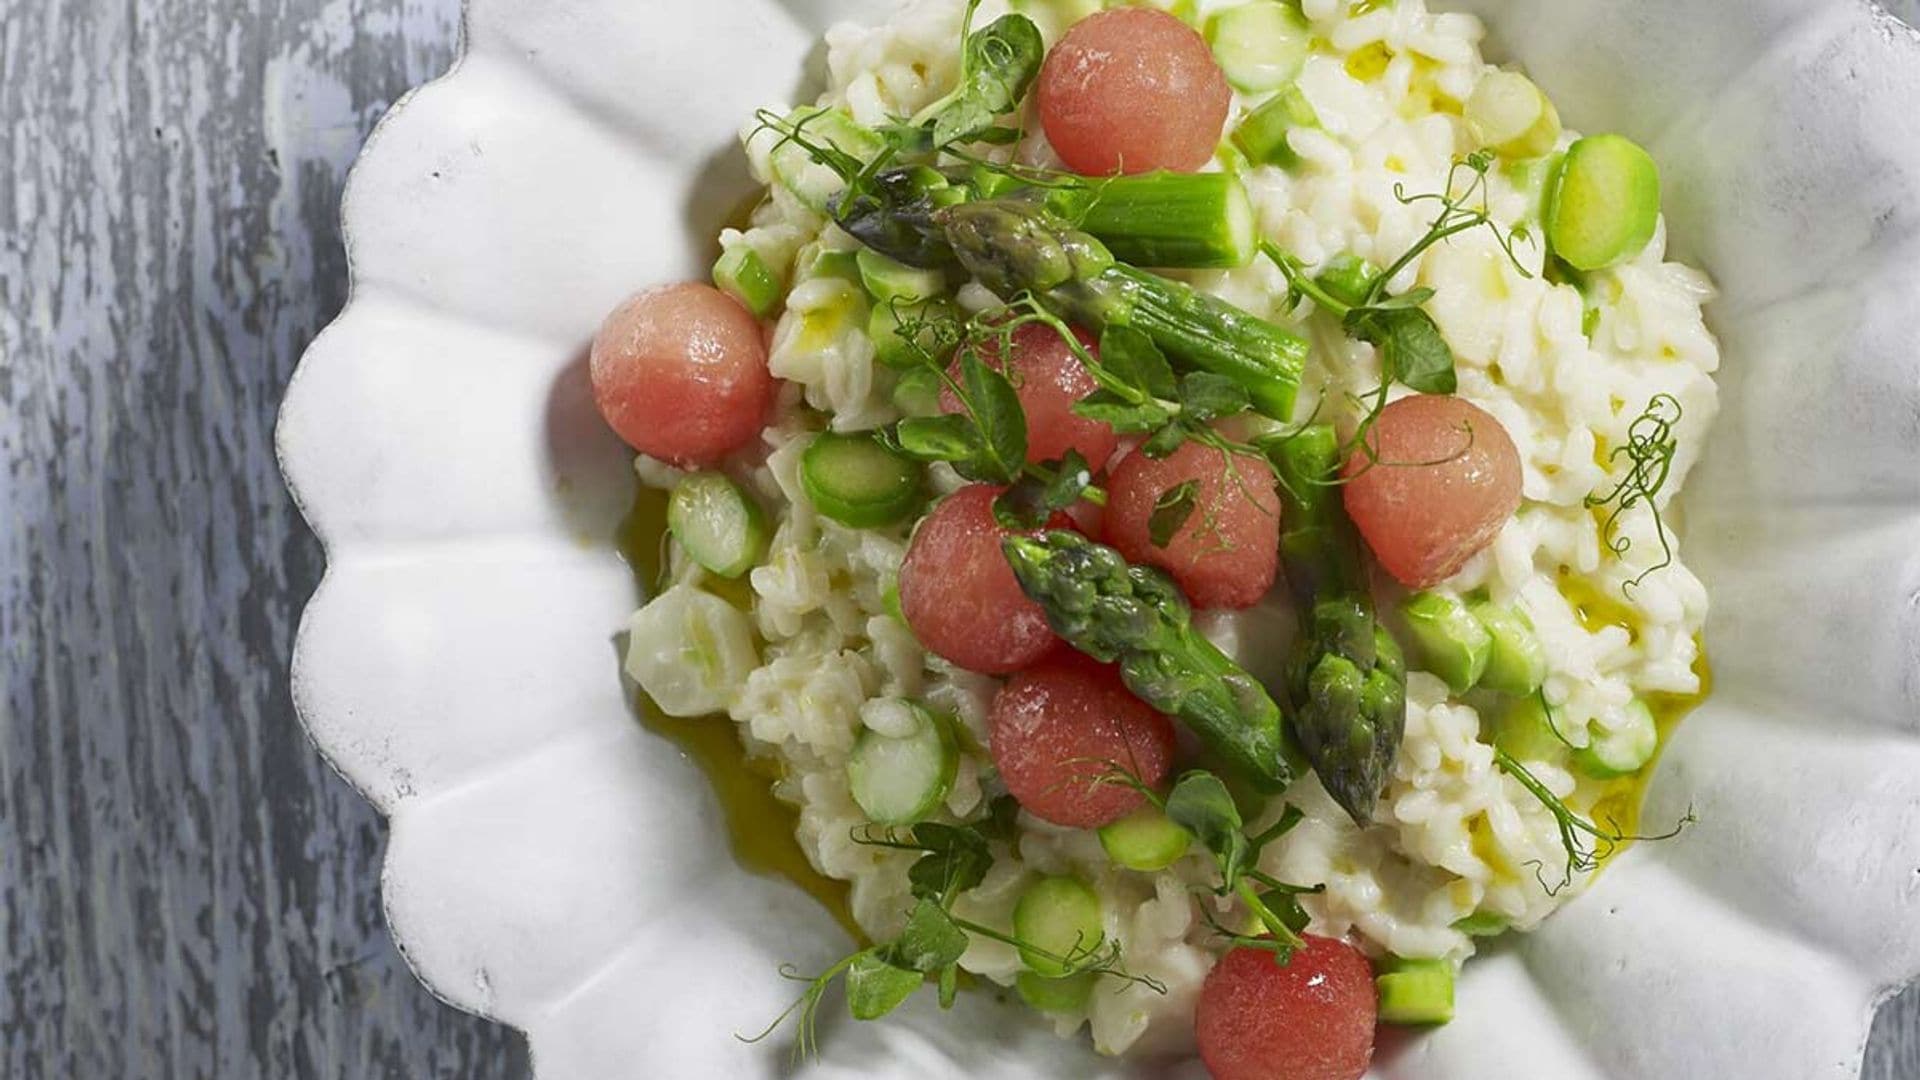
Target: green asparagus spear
(1179,220)
(1113,611)
(1188,220)
(1348,679)
(893,211)
(1013,246)
(932,219)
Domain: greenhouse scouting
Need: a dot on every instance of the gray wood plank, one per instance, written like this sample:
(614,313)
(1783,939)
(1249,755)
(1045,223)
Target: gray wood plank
(1894,1051)
(185,890)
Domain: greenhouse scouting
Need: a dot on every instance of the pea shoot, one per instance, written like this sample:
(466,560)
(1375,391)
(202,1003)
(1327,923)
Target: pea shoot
(997,65)
(1413,352)
(1648,452)
(1588,844)
(1201,804)
(880,978)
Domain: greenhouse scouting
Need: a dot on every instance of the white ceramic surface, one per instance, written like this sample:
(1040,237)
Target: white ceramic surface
(556,867)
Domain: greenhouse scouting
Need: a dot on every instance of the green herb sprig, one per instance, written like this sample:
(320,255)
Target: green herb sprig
(1413,352)
(1201,804)
(1587,843)
(1649,450)
(997,66)
(986,440)
(1139,394)
(881,977)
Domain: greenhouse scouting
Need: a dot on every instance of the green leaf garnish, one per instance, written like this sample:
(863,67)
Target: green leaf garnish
(1201,804)
(1132,358)
(956,860)
(1412,350)
(938,438)
(997,66)
(1164,442)
(930,941)
(996,410)
(1043,492)
(1125,417)
(876,987)
(1205,396)
(1171,511)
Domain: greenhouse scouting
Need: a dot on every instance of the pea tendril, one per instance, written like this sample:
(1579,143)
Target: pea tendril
(1413,352)
(880,978)
(1587,843)
(1649,450)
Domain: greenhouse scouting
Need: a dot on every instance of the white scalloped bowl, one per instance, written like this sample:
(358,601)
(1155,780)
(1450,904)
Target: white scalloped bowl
(556,867)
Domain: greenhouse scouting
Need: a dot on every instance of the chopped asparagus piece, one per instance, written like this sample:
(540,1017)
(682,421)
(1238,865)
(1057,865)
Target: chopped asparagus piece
(889,320)
(887,280)
(829,262)
(1622,744)
(1516,662)
(1165,219)
(1262,136)
(1260,45)
(902,780)
(1416,992)
(717,523)
(742,274)
(1058,916)
(1448,640)
(1509,115)
(857,481)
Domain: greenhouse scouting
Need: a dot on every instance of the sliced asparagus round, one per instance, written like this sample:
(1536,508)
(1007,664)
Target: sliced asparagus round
(901,780)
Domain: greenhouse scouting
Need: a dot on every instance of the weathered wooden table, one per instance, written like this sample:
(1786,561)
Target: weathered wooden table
(185,889)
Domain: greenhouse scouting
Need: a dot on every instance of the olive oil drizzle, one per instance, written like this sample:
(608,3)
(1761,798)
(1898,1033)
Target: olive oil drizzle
(1626,797)
(760,826)
(1622,801)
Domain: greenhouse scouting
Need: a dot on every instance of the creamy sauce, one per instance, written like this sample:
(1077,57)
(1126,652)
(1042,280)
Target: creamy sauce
(759,825)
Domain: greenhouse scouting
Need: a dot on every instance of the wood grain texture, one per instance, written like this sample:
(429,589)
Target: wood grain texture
(185,890)
(188,890)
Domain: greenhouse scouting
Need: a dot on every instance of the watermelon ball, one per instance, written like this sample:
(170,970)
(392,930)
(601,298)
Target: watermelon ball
(1130,91)
(680,373)
(1058,729)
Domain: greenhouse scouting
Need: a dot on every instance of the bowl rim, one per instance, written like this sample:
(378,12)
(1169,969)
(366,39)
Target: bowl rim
(295,472)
